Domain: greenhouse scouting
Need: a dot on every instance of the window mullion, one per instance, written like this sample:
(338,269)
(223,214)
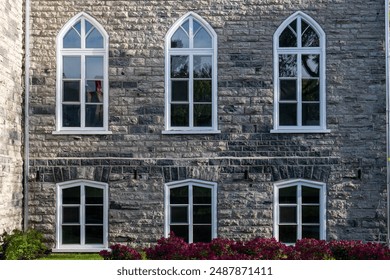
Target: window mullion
(299,89)
(82,91)
(82,217)
(191,90)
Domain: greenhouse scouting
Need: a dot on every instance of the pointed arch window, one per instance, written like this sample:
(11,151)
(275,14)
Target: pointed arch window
(299,76)
(82,77)
(191,77)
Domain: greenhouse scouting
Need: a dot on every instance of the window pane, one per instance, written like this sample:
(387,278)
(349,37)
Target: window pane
(71,91)
(179,90)
(71,115)
(201,195)
(180,231)
(202,214)
(179,115)
(310,214)
(311,114)
(202,115)
(288,214)
(180,39)
(202,39)
(72,67)
(288,38)
(288,234)
(93,195)
(71,195)
(309,36)
(311,232)
(88,26)
(202,66)
(94,116)
(202,91)
(94,235)
(179,195)
(202,233)
(94,214)
(94,92)
(310,195)
(287,114)
(179,66)
(94,39)
(70,215)
(288,90)
(179,214)
(196,26)
(288,195)
(70,234)
(311,90)
(72,38)
(310,65)
(94,67)
(287,65)
(186,26)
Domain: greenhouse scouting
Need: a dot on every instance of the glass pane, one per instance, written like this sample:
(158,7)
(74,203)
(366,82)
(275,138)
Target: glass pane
(94,67)
(88,26)
(202,115)
(94,235)
(72,38)
(71,195)
(186,26)
(179,115)
(72,67)
(288,38)
(71,91)
(94,39)
(93,195)
(288,234)
(94,92)
(288,90)
(70,234)
(94,115)
(202,39)
(202,214)
(288,214)
(287,65)
(310,214)
(202,233)
(179,66)
(310,195)
(179,90)
(196,26)
(311,232)
(202,66)
(179,195)
(71,115)
(201,195)
(309,36)
(180,231)
(310,65)
(311,114)
(94,214)
(179,214)
(180,39)
(288,195)
(311,90)
(70,215)
(202,90)
(287,114)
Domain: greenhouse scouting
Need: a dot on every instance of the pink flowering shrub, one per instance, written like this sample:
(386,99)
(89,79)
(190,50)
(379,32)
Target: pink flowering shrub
(120,252)
(171,248)
(263,249)
(312,249)
(357,250)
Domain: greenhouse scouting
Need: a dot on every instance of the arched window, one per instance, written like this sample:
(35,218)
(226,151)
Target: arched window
(82,77)
(191,210)
(82,216)
(299,76)
(191,77)
(299,210)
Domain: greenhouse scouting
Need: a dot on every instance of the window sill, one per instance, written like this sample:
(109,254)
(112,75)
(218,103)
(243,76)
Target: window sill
(79,250)
(82,132)
(172,132)
(282,130)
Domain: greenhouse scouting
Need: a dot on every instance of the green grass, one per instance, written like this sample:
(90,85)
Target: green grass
(72,256)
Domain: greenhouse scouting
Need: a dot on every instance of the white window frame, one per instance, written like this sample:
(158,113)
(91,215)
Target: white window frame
(190,183)
(190,52)
(299,183)
(82,52)
(81,247)
(299,128)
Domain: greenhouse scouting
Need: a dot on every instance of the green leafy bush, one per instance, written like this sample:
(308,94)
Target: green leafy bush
(21,245)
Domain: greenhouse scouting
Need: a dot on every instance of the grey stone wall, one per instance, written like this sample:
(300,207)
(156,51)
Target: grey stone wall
(11,92)
(245,159)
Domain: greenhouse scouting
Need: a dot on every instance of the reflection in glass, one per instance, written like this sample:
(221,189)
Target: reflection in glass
(72,38)
(71,91)
(309,36)
(94,235)
(310,89)
(287,114)
(288,65)
(72,67)
(202,39)
(288,38)
(94,92)
(310,65)
(179,90)
(94,115)
(202,66)
(94,39)
(310,114)
(180,39)
(202,90)
(71,115)
(202,115)
(94,67)
(179,114)
(288,89)
(179,66)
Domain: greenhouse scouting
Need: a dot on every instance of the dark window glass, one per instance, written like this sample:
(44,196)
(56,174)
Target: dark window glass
(202,115)
(179,90)
(94,235)
(288,38)
(310,195)
(311,90)
(71,91)
(179,195)
(288,214)
(71,115)
(71,195)
(202,90)
(70,235)
(94,91)
(202,233)
(94,214)
(288,234)
(180,231)
(179,115)
(287,114)
(94,115)
(93,195)
(310,214)
(309,36)
(288,195)
(70,215)
(201,195)
(179,214)
(288,90)
(202,214)
(311,232)
(310,114)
